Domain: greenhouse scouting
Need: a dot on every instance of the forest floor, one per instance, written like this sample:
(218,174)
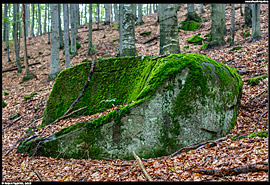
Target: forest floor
(252,59)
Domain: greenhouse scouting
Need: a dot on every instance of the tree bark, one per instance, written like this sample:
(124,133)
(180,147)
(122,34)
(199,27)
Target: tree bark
(169,41)
(120,27)
(7,32)
(66,35)
(107,14)
(89,51)
(224,18)
(61,41)
(192,15)
(24,40)
(98,17)
(15,37)
(232,24)
(217,26)
(256,27)
(33,21)
(73,29)
(55,63)
(27,19)
(116,14)
(39,21)
(128,33)
(140,21)
(45,19)
(248,15)
(49,31)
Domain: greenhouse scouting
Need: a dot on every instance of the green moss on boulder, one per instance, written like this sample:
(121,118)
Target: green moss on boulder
(189,25)
(195,39)
(204,46)
(172,98)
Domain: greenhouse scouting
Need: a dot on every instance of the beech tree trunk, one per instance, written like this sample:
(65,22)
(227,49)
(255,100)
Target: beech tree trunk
(73,29)
(24,41)
(232,24)
(120,27)
(45,19)
(217,26)
(27,19)
(169,41)
(128,31)
(89,51)
(39,21)
(248,15)
(140,21)
(6,35)
(49,31)
(256,27)
(33,21)
(98,17)
(61,41)
(55,63)
(107,14)
(15,38)
(66,35)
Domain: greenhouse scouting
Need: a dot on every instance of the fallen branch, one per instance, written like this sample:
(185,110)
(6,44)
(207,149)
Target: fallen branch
(15,68)
(262,116)
(84,87)
(198,145)
(153,38)
(11,123)
(38,175)
(234,171)
(147,176)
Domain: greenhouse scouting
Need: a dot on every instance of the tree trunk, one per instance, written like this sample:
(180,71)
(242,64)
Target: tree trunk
(169,41)
(49,31)
(140,21)
(15,38)
(45,19)
(85,13)
(55,64)
(201,9)
(150,8)
(128,33)
(66,35)
(7,32)
(39,21)
(24,41)
(73,29)
(116,14)
(89,51)
(192,15)
(33,21)
(241,10)
(232,24)
(248,15)
(107,14)
(61,41)
(217,26)
(256,27)
(5,25)
(27,19)
(120,27)
(224,18)
(98,18)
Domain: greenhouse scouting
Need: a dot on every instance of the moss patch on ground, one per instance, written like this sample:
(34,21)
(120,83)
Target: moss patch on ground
(256,80)
(195,39)
(3,104)
(189,25)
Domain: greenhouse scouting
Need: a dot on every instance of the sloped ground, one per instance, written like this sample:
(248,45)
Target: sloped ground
(252,59)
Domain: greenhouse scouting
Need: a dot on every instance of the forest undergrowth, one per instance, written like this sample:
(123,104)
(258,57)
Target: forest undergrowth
(251,61)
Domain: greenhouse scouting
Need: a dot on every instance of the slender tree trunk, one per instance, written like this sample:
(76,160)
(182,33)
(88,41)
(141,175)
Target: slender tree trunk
(256,27)
(24,41)
(224,18)
(55,63)
(85,13)
(248,15)
(107,14)
(201,9)
(169,41)
(241,10)
(89,51)
(217,27)
(15,38)
(73,29)
(39,21)
(19,24)
(49,31)
(27,19)
(45,19)
(232,24)
(61,41)
(78,15)
(77,19)
(98,16)
(33,21)
(120,27)
(128,31)
(66,35)
(116,14)
(5,25)
(140,21)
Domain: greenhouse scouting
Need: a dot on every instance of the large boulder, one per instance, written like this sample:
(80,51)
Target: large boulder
(175,101)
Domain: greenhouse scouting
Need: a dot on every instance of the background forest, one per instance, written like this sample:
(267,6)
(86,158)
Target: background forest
(40,40)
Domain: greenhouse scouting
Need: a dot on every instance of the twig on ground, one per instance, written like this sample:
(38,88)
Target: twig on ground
(147,176)
(38,175)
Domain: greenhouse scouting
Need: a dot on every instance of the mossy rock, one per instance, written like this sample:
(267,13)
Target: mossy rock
(256,80)
(28,77)
(236,48)
(145,33)
(208,36)
(174,101)
(27,97)
(3,104)
(246,34)
(195,39)
(204,46)
(189,25)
